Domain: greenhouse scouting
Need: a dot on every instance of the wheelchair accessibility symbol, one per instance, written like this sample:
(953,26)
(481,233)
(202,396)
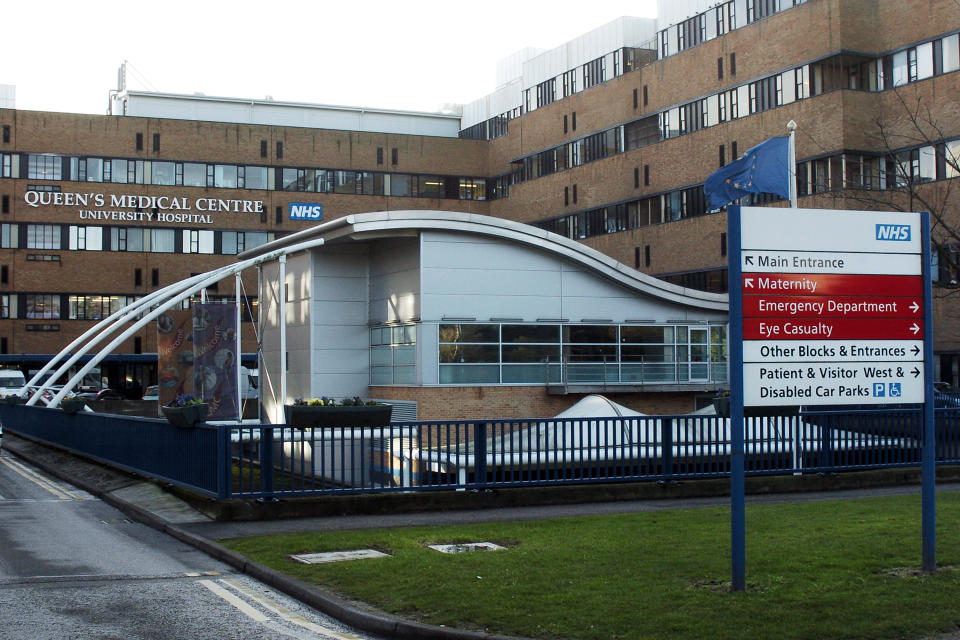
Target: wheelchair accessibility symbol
(895,390)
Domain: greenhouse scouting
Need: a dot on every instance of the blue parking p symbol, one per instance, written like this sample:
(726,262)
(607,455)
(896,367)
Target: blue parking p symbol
(879,390)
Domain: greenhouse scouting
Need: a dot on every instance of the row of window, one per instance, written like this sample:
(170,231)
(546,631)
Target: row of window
(838,72)
(717,21)
(539,353)
(137,239)
(45,166)
(710,24)
(845,170)
(54,306)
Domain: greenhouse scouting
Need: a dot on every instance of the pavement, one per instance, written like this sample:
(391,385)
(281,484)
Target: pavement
(201,522)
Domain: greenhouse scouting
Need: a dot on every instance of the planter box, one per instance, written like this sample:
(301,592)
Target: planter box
(186,417)
(72,405)
(722,407)
(304,416)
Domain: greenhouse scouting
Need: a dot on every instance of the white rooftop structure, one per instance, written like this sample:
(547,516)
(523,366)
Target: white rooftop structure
(285,114)
(8,96)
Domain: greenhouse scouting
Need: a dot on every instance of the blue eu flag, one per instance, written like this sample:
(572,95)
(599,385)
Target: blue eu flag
(762,169)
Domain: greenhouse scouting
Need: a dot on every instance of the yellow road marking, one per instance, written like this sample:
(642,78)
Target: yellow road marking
(37,479)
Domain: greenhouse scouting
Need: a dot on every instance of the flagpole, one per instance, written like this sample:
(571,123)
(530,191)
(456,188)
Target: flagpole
(792,163)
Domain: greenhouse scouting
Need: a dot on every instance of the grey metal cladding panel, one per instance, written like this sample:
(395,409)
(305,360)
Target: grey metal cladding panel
(339,385)
(483,307)
(341,361)
(350,312)
(477,254)
(341,337)
(491,281)
(340,288)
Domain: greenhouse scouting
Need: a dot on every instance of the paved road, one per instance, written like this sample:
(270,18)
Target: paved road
(72,566)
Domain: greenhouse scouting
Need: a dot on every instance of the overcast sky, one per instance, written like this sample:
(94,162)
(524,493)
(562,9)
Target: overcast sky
(417,55)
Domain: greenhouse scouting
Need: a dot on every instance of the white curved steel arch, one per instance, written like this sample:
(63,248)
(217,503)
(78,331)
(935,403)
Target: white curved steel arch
(170,295)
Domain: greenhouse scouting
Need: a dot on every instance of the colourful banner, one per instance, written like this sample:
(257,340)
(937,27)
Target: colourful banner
(174,355)
(215,351)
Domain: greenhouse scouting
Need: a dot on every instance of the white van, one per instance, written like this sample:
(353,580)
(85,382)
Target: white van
(12,382)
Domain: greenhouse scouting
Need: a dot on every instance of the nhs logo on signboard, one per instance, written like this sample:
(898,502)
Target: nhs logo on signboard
(898,232)
(314,211)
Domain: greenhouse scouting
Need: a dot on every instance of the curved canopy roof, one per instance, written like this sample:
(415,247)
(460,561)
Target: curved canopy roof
(384,224)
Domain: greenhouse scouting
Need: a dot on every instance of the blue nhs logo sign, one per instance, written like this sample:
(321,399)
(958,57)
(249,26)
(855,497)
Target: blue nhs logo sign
(897,232)
(306,211)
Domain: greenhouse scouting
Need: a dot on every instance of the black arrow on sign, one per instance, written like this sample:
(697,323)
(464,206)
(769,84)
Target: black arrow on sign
(916,350)
(915,372)
(748,260)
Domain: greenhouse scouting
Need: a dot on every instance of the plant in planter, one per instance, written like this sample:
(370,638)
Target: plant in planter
(328,412)
(72,405)
(186,411)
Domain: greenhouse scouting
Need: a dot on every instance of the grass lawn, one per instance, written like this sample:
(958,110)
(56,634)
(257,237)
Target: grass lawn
(835,569)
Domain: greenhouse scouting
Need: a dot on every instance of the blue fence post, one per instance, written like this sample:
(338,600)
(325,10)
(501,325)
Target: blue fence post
(223,463)
(666,446)
(266,462)
(479,454)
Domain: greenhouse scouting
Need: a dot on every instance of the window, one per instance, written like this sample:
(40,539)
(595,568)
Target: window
(139,142)
(126,239)
(9,236)
(594,72)
(163,173)
(45,306)
(646,175)
(256,177)
(546,92)
(197,241)
(473,189)
(4,274)
(733,64)
(469,353)
(86,238)
(156,142)
(194,174)
(263,148)
(95,307)
(138,277)
(279,149)
(155,277)
(43,236)
(393,354)
(162,241)
(120,171)
(5,307)
(951,53)
(379,155)
(6,133)
(225,176)
(569,80)
(234,242)
(44,166)
(5,204)
(394,156)
(720,68)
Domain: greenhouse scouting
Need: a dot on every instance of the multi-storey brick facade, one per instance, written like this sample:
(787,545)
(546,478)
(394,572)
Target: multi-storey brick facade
(845,58)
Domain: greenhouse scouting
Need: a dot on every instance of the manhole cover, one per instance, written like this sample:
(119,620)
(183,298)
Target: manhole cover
(338,556)
(466,546)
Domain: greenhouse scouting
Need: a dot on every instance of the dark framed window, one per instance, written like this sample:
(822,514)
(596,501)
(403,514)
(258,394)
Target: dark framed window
(279,149)
(733,64)
(646,175)
(379,155)
(155,277)
(156,142)
(720,68)
(263,148)
(636,177)
(139,142)
(138,277)
(394,156)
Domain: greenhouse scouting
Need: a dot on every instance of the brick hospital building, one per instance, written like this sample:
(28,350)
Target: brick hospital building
(605,140)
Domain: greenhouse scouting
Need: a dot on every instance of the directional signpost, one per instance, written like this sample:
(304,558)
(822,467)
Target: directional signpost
(828,307)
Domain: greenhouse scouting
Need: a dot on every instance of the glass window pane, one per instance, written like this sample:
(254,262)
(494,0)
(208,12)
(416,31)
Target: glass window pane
(225,176)
(255,177)
(469,353)
(531,353)
(162,240)
(469,333)
(590,333)
(94,170)
(400,185)
(289,180)
(951,53)
(531,333)
(646,334)
(194,174)
(118,170)
(228,243)
(467,374)
(163,173)
(924,61)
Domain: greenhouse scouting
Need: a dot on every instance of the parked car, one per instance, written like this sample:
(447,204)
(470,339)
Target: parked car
(152,392)
(102,396)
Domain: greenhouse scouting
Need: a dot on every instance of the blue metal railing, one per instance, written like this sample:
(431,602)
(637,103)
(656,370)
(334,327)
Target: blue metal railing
(253,461)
